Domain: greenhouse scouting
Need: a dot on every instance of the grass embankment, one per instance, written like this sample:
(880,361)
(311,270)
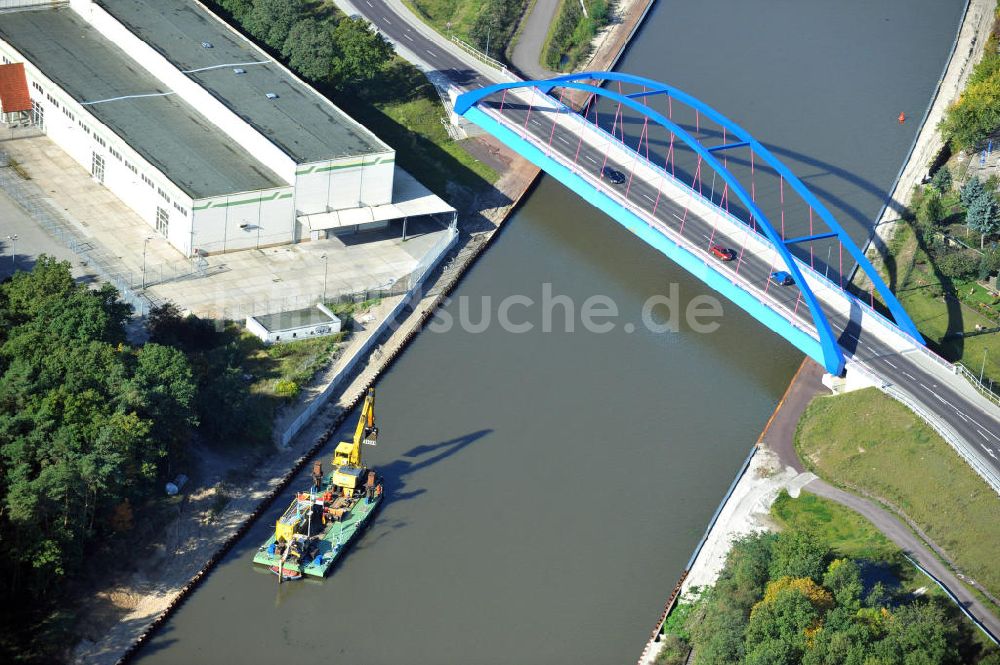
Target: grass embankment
(571,35)
(488,25)
(866,441)
(404,110)
(846,532)
(944,307)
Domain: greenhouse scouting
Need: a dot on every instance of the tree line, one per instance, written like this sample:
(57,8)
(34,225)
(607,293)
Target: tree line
(323,48)
(92,426)
(786,599)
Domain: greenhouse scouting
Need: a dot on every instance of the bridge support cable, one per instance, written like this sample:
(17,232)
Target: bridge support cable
(825,348)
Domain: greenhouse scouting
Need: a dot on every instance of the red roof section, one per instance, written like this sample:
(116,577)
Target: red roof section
(14,94)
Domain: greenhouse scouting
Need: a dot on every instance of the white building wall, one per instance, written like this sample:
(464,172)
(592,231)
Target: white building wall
(71,126)
(244,221)
(215,111)
(344,183)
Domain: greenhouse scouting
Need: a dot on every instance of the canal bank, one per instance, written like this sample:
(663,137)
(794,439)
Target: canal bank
(560,411)
(773,464)
(148,600)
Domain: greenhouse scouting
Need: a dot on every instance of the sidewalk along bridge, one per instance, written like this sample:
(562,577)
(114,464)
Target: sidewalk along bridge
(700,189)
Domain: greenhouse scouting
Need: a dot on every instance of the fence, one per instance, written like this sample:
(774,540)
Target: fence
(482,57)
(36,205)
(986,391)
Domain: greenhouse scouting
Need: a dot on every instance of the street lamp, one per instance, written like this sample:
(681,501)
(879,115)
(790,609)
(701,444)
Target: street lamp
(326,267)
(144,243)
(13,255)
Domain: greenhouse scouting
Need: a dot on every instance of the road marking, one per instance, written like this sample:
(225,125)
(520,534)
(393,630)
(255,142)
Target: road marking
(431,53)
(909,376)
(890,364)
(925,387)
(988,451)
(408,37)
(961,415)
(648,197)
(982,434)
(535,122)
(563,140)
(939,398)
(591,158)
(386,19)
(368,2)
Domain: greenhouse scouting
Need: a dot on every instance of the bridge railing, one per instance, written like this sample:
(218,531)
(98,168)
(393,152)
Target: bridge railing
(776,305)
(482,57)
(814,276)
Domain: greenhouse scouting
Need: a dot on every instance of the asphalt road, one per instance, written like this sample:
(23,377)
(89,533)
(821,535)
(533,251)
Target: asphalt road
(977,427)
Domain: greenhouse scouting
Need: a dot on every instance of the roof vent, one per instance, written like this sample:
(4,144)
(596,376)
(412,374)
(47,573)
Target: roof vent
(206,44)
(239,70)
(271,95)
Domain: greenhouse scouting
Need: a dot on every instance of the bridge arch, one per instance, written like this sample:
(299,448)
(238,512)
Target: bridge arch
(833,356)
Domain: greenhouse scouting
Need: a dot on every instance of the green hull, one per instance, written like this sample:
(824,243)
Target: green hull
(332,542)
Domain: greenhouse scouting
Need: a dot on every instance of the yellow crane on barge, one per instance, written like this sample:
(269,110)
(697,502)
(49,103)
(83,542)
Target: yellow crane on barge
(343,504)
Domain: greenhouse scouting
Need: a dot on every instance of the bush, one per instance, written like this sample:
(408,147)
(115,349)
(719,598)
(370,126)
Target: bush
(959,265)
(286,388)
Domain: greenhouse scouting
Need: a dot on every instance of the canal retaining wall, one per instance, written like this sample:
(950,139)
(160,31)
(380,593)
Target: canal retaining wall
(967,49)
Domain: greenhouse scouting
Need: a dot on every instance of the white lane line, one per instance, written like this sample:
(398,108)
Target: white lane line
(939,398)
(559,138)
(431,53)
(890,364)
(988,451)
(408,37)
(535,122)
(386,19)
(648,197)
(368,2)
(591,158)
(961,415)
(982,434)
(925,387)
(909,376)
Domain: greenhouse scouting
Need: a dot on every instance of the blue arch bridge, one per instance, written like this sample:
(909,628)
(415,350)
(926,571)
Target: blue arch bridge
(703,191)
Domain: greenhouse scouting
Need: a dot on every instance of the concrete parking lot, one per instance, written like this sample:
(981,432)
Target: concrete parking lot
(231,285)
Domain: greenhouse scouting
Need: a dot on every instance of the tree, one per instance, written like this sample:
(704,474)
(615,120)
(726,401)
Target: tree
(931,209)
(843,578)
(942,180)
(310,50)
(920,633)
(238,9)
(361,53)
(798,554)
(990,263)
(983,216)
(976,114)
(163,390)
(959,265)
(971,191)
(270,21)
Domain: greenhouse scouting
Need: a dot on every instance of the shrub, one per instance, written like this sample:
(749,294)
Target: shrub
(286,388)
(959,265)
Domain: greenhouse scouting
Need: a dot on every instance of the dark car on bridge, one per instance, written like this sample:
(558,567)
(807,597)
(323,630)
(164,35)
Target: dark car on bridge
(782,278)
(722,253)
(615,176)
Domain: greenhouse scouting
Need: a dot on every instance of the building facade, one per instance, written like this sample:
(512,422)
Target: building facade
(214,144)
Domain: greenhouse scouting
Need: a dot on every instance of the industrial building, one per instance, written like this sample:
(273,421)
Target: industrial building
(214,144)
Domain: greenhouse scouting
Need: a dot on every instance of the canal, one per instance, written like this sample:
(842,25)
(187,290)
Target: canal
(546,488)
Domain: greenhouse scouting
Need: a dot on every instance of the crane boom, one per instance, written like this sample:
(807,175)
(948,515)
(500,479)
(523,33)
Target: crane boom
(347,456)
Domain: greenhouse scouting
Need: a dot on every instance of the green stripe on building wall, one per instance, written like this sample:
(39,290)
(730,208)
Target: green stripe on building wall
(277,196)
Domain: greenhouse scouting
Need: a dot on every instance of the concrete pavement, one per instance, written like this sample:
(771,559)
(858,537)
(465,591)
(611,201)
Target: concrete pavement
(527,54)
